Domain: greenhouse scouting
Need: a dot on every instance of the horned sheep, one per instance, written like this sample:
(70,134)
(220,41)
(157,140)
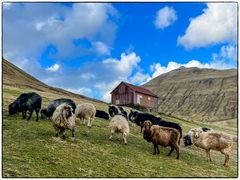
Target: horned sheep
(119,124)
(214,140)
(63,118)
(86,111)
(163,136)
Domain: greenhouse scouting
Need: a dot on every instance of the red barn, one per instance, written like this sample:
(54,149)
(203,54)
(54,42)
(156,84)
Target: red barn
(128,94)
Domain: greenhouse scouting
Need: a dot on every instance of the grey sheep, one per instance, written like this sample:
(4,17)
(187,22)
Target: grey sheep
(214,140)
(119,124)
(63,118)
(86,111)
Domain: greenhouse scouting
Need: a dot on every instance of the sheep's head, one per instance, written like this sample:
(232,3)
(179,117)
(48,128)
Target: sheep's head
(12,108)
(147,130)
(67,111)
(133,115)
(196,132)
(112,111)
(44,114)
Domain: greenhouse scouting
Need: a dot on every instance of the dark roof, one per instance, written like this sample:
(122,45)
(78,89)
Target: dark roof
(137,89)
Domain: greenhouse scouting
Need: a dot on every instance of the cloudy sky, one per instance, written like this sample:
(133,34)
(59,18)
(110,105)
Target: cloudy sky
(90,48)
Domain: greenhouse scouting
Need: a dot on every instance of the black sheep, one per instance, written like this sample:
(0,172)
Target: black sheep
(26,102)
(102,114)
(48,112)
(117,110)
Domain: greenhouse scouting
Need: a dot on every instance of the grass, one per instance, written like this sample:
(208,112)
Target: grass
(31,150)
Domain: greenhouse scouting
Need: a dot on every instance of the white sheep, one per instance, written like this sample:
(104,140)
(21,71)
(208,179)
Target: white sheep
(119,124)
(86,111)
(217,141)
(63,118)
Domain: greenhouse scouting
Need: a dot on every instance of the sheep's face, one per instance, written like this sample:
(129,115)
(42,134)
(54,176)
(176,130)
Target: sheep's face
(147,124)
(12,108)
(44,114)
(112,111)
(67,111)
(133,115)
(196,132)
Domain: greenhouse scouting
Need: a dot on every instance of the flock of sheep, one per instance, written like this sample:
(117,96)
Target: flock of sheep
(64,112)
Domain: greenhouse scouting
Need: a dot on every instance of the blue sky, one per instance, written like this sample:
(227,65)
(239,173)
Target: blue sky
(88,48)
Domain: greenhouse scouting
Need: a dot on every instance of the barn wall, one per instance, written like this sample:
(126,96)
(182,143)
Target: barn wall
(145,100)
(123,95)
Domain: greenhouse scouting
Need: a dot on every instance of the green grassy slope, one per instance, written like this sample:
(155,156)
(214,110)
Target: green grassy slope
(31,150)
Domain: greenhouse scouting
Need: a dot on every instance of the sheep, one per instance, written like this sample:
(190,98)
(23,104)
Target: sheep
(48,112)
(139,118)
(163,136)
(86,111)
(63,118)
(119,124)
(214,140)
(26,102)
(102,114)
(117,110)
(187,139)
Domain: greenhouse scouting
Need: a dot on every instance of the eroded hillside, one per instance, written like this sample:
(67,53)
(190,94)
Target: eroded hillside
(197,94)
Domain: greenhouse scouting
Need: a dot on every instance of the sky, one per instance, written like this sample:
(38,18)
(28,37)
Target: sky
(89,48)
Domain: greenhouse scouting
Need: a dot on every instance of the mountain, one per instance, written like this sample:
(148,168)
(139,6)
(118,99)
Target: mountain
(197,94)
(15,77)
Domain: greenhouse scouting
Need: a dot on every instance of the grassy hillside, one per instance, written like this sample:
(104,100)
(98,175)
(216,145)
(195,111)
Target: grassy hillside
(30,148)
(197,94)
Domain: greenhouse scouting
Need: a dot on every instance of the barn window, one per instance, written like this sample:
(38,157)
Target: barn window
(149,98)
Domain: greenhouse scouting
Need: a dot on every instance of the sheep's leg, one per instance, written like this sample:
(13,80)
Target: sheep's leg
(154,147)
(30,115)
(24,114)
(73,133)
(63,132)
(125,138)
(177,149)
(170,152)
(36,110)
(158,150)
(208,155)
(56,134)
(227,155)
(89,122)
(141,129)
(110,138)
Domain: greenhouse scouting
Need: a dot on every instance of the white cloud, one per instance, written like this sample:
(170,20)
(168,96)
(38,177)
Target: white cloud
(101,48)
(227,53)
(87,76)
(139,78)
(217,24)
(165,17)
(106,88)
(158,69)
(54,68)
(125,65)
(59,26)
(83,91)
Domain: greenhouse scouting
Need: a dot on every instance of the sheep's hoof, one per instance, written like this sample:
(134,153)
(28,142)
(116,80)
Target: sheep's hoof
(125,143)
(56,135)
(64,137)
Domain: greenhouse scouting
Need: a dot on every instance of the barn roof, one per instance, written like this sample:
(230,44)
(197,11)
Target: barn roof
(137,89)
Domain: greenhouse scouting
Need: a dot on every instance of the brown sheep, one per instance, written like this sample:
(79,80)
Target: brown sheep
(217,141)
(163,136)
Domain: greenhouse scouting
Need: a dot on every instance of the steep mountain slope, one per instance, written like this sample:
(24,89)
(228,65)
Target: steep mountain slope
(197,94)
(15,77)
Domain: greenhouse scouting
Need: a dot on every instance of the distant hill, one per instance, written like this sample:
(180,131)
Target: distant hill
(197,94)
(15,77)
